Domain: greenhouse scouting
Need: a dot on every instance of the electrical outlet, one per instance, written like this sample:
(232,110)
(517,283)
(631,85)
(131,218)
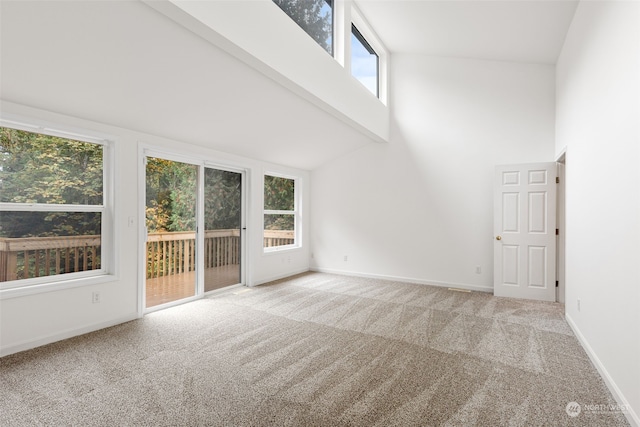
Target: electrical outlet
(346,258)
(578,304)
(96,297)
(478,270)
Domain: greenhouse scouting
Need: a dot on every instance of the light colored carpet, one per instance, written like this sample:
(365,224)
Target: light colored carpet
(316,350)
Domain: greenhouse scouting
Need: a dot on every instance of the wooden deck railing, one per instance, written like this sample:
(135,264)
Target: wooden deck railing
(277,238)
(167,253)
(46,256)
(174,252)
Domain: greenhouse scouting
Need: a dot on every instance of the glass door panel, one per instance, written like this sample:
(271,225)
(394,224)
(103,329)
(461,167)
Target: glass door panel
(222,223)
(171,190)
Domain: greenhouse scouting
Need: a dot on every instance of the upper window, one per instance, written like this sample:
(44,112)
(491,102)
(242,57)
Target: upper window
(52,209)
(364,61)
(280,211)
(315,17)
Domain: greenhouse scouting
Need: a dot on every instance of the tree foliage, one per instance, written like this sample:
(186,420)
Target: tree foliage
(313,16)
(222,202)
(279,195)
(38,168)
(171,197)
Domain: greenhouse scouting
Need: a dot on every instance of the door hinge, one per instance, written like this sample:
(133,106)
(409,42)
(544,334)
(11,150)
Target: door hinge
(557,232)
(557,180)
(556,283)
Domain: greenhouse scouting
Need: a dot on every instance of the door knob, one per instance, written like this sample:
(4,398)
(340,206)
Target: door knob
(499,238)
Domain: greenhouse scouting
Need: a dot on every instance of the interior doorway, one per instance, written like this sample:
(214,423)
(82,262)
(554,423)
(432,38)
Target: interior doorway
(561,236)
(525,231)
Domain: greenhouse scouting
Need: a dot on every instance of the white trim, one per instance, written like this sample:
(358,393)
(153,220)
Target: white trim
(107,272)
(467,286)
(278,277)
(272,250)
(174,303)
(279,212)
(340,18)
(297,212)
(631,415)
(146,150)
(67,333)
(55,283)
(363,26)
(49,207)
(245,232)
(223,290)
(187,158)
(48,128)
(142,228)
(199,243)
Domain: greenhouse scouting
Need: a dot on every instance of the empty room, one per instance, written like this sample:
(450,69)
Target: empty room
(320,212)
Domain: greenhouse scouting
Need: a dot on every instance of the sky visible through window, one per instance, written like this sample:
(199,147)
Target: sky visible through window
(364,65)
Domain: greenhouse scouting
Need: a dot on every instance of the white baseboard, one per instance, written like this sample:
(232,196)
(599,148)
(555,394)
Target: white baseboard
(406,279)
(631,415)
(69,333)
(279,276)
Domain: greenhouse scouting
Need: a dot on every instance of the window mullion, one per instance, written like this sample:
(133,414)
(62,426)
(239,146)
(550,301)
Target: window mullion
(275,212)
(46,207)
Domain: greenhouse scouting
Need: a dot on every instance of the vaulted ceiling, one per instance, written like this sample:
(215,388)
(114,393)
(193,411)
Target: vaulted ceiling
(502,30)
(125,64)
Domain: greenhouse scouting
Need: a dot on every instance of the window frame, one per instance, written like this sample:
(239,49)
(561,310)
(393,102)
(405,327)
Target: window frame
(372,39)
(106,272)
(332,6)
(358,35)
(344,16)
(297,243)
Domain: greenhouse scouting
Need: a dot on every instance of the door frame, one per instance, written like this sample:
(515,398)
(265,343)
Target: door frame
(244,190)
(515,239)
(561,225)
(145,151)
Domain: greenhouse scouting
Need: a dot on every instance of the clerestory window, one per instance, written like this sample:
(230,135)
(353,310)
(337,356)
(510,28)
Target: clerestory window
(365,63)
(315,17)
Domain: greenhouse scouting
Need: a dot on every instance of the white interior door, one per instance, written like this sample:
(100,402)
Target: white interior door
(524,254)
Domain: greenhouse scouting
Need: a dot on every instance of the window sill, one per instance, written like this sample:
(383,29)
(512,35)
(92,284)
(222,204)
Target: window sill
(40,288)
(274,250)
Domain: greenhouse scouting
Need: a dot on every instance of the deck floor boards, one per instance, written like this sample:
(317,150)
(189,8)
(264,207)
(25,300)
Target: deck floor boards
(161,290)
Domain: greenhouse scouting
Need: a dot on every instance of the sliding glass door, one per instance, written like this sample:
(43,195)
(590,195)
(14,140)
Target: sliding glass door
(170,211)
(222,224)
(193,220)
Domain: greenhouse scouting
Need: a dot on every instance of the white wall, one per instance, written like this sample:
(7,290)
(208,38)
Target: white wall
(123,63)
(598,116)
(285,53)
(421,207)
(28,321)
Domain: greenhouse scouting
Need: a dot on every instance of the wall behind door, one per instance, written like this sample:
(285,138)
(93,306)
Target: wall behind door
(421,206)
